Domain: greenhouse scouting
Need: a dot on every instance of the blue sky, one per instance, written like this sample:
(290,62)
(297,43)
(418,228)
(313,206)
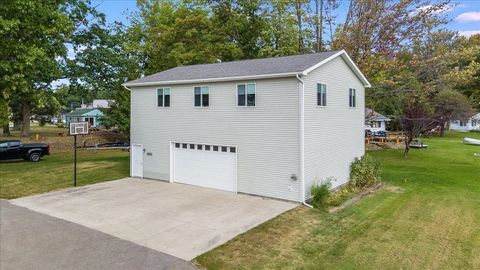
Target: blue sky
(465,14)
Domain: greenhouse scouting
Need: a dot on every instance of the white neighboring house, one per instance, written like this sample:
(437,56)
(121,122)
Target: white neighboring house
(375,121)
(252,126)
(97,103)
(471,124)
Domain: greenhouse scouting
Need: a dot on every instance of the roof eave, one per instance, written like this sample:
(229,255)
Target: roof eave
(221,79)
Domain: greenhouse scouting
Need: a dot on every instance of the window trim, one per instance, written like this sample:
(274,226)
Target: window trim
(163,97)
(326,95)
(350,98)
(236,94)
(201,100)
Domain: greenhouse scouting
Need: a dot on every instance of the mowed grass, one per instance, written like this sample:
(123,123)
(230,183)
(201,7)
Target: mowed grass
(20,178)
(427,217)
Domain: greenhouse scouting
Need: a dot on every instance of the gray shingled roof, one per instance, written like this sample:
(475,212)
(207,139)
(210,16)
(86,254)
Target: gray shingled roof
(371,115)
(253,67)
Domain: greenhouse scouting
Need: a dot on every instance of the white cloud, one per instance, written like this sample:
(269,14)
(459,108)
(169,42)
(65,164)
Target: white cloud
(425,8)
(59,82)
(473,16)
(468,33)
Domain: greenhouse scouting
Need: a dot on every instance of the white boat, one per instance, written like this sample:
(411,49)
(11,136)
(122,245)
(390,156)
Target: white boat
(471,141)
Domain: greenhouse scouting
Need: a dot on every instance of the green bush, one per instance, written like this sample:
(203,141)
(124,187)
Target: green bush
(365,172)
(42,121)
(320,194)
(61,125)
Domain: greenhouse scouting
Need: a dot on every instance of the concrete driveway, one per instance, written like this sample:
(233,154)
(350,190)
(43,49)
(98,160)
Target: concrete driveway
(180,220)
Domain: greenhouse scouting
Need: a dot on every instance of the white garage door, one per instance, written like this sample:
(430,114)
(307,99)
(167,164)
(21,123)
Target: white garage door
(212,166)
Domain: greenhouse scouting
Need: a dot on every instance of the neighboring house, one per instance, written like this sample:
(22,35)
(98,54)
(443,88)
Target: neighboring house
(97,103)
(271,127)
(375,121)
(471,124)
(85,115)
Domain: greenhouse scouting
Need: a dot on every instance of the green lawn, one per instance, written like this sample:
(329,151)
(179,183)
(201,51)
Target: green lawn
(427,217)
(22,178)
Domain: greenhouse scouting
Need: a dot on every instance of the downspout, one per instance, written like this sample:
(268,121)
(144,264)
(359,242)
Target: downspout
(301,97)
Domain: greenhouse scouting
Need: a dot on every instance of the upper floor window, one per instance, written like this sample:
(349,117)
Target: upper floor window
(321,94)
(246,94)
(201,94)
(163,97)
(353,98)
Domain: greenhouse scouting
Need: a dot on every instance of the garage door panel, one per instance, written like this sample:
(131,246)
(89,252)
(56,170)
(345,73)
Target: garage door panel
(212,169)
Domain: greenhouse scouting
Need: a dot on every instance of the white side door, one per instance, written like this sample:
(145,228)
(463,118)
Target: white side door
(136,160)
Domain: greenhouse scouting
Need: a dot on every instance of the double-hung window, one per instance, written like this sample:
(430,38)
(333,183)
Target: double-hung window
(352,98)
(201,96)
(246,94)
(321,95)
(163,97)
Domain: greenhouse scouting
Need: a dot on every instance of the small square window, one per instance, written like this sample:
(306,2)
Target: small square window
(207,147)
(246,94)
(199,147)
(177,145)
(192,146)
(215,148)
(233,149)
(184,145)
(201,96)
(224,149)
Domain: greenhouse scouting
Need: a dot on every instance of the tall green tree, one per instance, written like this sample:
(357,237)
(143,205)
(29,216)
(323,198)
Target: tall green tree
(385,27)
(170,33)
(34,34)
(280,37)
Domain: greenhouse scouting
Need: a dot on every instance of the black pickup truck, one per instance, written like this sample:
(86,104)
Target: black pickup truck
(14,149)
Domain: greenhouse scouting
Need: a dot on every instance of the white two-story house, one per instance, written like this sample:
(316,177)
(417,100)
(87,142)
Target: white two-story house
(271,127)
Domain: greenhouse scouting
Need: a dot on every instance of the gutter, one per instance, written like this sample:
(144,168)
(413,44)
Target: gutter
(302,141)
(221,79)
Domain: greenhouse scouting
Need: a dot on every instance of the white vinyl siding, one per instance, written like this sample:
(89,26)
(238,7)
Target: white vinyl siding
(334,135)
(266,139)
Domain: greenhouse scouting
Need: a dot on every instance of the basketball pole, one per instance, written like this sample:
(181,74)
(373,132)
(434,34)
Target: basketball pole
(75,161)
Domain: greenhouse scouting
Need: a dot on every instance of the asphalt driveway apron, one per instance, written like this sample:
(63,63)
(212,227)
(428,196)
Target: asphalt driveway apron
(30,240)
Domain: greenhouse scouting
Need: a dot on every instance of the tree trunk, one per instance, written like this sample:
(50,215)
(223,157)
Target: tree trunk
(6,130)
(25,120)
(298,7)
(442,130)
(320,30)
(408,140)
(317,26)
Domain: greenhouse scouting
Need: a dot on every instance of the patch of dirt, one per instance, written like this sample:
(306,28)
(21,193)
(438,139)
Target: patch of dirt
(393,189)
(365,193)
(95,165)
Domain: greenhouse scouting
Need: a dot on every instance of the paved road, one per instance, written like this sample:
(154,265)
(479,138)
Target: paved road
(30,240)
